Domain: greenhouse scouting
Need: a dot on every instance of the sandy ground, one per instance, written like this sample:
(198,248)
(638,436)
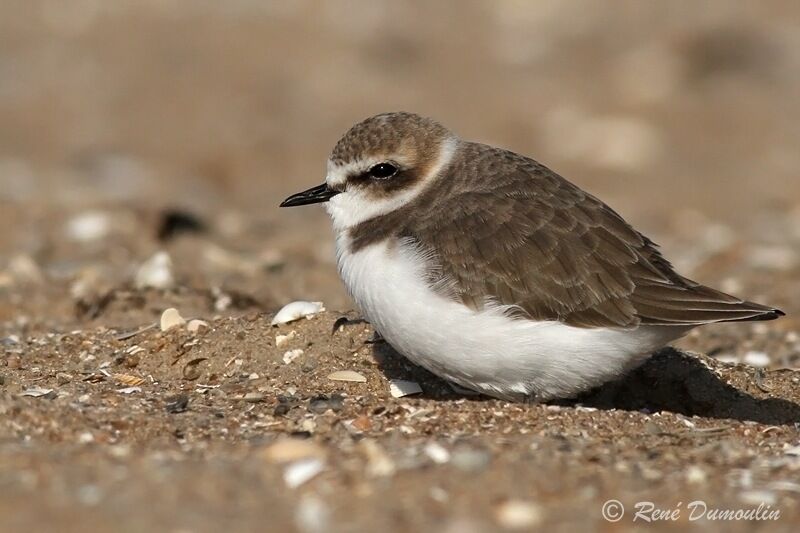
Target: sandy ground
(129,130)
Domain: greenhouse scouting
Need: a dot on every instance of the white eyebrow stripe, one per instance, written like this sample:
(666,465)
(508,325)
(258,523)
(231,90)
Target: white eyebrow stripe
(337,174)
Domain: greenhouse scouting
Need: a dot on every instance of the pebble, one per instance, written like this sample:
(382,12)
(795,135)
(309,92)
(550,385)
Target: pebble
(127,379)
(470,460)
(297,310)
(155,273)
(62,378)
(291,355)
(24,269)
(793,451)
(312,515)
(320,404)
(727,358)
(286,450)
(518,514)
(171,318)
(379,464)
(177,404)
(197,325)
(437,453)
(362,424)
(438,494)
(400,387)
(756,359)
(758,497)
(695,475)
(347,375)
(308,425)
(191,370)
(89,226)
(253,397)
(301,472)
(11,340)
(280,340)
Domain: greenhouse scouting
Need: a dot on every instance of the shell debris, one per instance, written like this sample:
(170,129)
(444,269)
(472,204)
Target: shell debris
(89,226)
(39,392)
(197,325)
(347,375)
(756,359)
(400,387)
(291,355)
(171,318)
(127,379)
(280,340)
(287,450)
(302,471)
(297,310)
(379,464)
(437,453)
(518,514)
(155,273)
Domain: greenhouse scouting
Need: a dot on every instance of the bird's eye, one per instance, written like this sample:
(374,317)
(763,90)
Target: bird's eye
(382,171)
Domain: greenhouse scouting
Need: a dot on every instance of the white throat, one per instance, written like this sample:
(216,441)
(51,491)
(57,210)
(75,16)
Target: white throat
(352,207)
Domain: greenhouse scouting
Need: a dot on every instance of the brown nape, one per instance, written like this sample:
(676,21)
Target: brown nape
(506,229)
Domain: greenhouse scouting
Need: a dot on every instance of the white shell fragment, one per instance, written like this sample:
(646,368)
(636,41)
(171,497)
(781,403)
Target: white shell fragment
(37,392)
(518,514)
(296,311)
(400,387)
(171,318)
(302,471)
(756,359)
(291,355)
(89,226)
(347,375)
(437,453)
(155,273)
(129,390)
(794,451)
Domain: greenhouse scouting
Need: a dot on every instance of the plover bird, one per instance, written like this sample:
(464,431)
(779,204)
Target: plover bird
(490,270)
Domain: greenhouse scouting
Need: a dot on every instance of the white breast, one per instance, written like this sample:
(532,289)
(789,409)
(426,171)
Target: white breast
(485,350)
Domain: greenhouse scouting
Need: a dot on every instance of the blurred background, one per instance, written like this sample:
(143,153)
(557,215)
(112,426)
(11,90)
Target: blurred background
(145,146)
(118,118)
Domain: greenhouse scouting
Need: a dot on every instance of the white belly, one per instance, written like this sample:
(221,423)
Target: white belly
(485,350)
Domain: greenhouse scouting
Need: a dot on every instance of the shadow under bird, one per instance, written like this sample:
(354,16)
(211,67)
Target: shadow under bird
(492,271)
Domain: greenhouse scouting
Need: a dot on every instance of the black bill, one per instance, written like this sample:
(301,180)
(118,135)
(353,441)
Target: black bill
(314,195)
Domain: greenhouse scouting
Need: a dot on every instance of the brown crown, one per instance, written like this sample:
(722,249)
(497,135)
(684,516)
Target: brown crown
(389,133)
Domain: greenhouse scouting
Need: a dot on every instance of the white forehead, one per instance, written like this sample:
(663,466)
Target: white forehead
(353,206)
